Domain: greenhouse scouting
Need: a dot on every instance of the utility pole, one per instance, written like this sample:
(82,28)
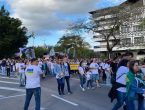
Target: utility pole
(33,36)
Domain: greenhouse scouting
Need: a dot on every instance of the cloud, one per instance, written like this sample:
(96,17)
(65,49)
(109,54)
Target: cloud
(44,16)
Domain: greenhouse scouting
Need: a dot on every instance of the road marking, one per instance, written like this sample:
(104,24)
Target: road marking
(1,96)
(12,89)
(12,96)
(42,109)
(9,78)
(72,103)
(7,82)
(75,79)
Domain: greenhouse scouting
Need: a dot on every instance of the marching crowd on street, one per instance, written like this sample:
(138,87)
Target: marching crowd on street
(125,74)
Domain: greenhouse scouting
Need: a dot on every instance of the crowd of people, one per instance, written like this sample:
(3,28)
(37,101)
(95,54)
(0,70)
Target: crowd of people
(125,74)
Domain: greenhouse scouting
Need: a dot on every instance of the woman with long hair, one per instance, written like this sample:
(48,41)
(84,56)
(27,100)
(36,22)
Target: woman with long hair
(133,88)
(121,79)
(59,71)
(82,75)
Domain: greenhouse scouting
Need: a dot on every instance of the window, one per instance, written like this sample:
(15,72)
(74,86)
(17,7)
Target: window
(137,28)
(124,29)
(126,41)
(138,40)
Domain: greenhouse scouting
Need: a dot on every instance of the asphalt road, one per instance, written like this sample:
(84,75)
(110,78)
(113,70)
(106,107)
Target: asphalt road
(12,97)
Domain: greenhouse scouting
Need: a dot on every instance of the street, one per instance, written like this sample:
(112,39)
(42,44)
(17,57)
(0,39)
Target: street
(13,97)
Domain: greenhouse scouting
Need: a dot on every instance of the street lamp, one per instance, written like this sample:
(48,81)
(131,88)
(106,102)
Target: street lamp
(33,36)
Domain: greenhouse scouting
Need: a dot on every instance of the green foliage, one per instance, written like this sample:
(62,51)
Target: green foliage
(12,34)
(39,51)
(72,43)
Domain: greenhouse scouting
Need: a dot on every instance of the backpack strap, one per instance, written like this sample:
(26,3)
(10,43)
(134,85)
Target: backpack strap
(120,76)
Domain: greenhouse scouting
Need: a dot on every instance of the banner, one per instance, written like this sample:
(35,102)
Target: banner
(74,66)
(29,52)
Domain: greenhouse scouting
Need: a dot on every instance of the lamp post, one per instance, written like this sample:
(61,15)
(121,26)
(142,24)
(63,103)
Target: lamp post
(33,36)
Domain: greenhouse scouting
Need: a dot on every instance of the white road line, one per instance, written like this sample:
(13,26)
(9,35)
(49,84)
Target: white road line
(9,78)
(1,96)
(7,82)
(12,89)
(72,103)
(12,96)
(75,79)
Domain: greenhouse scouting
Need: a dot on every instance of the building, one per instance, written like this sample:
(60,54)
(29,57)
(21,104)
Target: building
(130,35)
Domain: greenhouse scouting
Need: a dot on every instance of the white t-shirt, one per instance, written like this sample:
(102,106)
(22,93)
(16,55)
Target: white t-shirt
(66,69)
(20,67)
(81,70)
(96,67)
(107,68)
(32,73)
(122,79)
(88,75)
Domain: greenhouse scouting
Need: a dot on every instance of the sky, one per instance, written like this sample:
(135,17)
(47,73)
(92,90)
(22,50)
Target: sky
(48,19)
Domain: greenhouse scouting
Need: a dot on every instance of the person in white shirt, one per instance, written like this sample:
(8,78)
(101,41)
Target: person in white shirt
(67,74)
(107,72)
(20,67)
(82,75)
(89,78)
(95,73)
(121,79)
(33,72)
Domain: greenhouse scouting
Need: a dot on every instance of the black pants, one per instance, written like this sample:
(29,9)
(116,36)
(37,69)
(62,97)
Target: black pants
(8,72)
(67,79)
(60,83)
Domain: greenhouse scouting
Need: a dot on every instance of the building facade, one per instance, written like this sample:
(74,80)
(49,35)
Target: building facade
(131,34)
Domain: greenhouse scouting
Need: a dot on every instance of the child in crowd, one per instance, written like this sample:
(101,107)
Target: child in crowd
(89,78)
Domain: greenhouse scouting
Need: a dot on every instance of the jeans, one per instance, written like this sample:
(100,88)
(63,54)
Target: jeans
(131,103)
(108,77)
(89,83)
(141,102)
(60,83)
(29,94)
(22,79)
(67,78)
(8,72)
(82,80)
(3,70)
(121,98)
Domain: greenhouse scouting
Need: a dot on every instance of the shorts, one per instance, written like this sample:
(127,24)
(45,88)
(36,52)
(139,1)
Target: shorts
(95,77)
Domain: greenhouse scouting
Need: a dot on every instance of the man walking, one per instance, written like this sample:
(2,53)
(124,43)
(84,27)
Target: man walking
(33,73)
(67,74)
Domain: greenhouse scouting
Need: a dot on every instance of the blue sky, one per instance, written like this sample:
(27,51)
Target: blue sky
(48,19)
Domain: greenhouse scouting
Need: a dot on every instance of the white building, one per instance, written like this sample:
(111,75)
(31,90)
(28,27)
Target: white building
(131,34)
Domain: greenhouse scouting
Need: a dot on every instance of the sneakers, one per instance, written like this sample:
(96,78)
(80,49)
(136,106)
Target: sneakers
(82,88)
(98,86)
(69,92)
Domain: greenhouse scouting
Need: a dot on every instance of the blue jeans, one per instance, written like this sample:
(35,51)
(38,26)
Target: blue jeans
(131,103)
(60,83)
(29,94)
(121,98)
(141,102)
(82,80)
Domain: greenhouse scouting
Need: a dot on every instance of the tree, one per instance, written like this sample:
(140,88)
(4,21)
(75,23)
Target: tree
(74,45)
(108,29)
(12,34)
(39,51)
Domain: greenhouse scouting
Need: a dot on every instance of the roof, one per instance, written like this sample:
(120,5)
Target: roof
(126,3)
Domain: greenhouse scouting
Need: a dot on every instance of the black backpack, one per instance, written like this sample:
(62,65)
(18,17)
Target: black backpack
(113,91)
